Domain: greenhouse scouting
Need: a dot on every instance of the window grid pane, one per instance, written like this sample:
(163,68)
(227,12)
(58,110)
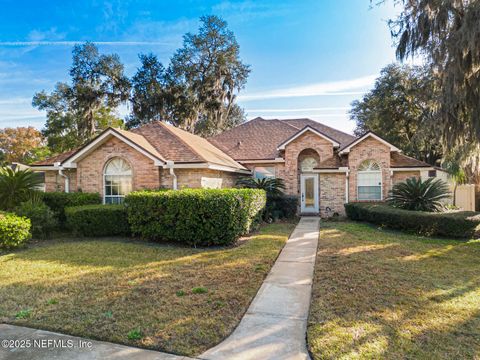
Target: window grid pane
(369,185)
(118,181)
(262,172)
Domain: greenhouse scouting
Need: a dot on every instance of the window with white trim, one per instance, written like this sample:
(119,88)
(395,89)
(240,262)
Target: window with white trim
(117,181)
(369,181)
(262,172)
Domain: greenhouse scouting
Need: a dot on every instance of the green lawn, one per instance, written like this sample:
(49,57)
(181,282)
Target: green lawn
(386,295)
(179,300)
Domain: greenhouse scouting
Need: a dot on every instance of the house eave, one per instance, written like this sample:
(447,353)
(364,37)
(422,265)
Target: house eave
(347,149)
(70,162)
(303,131)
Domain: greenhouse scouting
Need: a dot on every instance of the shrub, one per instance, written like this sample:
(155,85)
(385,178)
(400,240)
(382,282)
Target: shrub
(16,186)
(14,230)
(462,224)
(281,207)
(58,201)
(97,220)
(41,216)
(415,194)
(272,186)
(195,216)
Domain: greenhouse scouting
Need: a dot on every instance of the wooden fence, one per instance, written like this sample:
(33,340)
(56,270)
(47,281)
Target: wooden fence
(465,197)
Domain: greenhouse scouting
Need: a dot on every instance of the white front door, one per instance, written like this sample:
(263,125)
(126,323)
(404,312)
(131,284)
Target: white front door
(309,193)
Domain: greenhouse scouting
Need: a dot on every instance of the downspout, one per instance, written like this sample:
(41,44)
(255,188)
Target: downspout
(67,180)
(172,173)
(346,185)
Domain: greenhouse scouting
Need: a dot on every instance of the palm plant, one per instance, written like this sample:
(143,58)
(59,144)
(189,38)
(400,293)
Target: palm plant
(418,195)
(16,186)
(272,186)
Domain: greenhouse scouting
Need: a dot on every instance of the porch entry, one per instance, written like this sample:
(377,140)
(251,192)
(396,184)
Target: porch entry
(309,193)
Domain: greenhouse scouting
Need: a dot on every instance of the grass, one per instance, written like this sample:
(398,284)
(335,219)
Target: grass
(382,294)
(173,299)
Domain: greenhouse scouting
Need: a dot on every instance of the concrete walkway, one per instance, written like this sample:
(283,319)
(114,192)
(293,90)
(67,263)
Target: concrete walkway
(275,324)
(36,347)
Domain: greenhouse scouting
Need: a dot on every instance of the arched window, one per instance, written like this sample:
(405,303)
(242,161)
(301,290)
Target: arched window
(369,181)
(118,181)
(308,164)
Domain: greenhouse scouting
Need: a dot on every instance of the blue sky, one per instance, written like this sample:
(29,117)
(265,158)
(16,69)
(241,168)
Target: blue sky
(308,58)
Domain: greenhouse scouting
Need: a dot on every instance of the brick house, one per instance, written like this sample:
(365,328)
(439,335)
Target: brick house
(323,166)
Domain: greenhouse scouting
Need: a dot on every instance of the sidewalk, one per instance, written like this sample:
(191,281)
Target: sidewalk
(98,350)
(275,324)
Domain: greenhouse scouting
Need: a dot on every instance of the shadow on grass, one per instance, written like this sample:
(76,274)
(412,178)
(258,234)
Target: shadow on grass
(104,289)
(370,300)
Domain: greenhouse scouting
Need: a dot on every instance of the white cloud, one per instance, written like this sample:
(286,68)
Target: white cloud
(71,43)
(356,86)
(51,34)
(14,101)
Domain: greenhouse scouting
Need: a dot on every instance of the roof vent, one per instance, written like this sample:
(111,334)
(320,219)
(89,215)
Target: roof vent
(239,143)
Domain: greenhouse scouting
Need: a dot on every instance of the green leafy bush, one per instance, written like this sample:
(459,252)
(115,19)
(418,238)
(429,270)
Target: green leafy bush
(195,216)
(97,220)
(14,230)
(41,216)
(281,207)
(16,186)
(416,194)
(272,186)
(462,224)
(58,201)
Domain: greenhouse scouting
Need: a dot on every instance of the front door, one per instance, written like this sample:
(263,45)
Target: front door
(309,193)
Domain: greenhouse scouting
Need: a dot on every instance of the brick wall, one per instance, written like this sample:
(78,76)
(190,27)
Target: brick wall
(332,193)
(373,149)
(90,169)
(308,140)
(401,176)
(192,178)
(55,182)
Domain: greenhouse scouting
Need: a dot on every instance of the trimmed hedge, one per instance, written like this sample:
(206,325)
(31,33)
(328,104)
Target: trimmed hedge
(97,220)
(58,201)
(14,230)
(41,217)
(281,207)
(462,224)
(201,217)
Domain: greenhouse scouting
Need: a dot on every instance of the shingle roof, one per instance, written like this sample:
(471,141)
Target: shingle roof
(255,139)
(400,160)
(52,160)
(141,141)
(167,143)
(202,148)
(259,138)
(337,135)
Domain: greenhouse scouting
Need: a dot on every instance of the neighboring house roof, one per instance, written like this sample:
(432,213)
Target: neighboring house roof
(259,138)
(158,141)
